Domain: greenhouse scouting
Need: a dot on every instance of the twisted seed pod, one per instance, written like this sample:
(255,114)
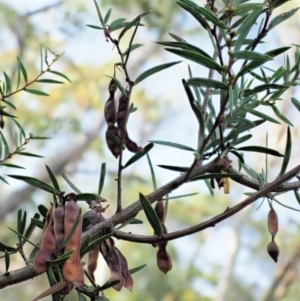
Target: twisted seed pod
(47,248)
(79,282)
(58,227)
(122,111)
(93,261)
(110,106)
(108,251)
(128,281)
(160,211)
(131,145)
(273,250)
(71,267)
(111,136)
(272,222)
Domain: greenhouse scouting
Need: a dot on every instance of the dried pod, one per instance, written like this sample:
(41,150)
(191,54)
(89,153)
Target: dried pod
(93,261)
(164,261)
(47,248)
(131,145)
(58,227)
(272,222)
(111,136)
(110,106)
(94,218)
(122,112)
(79,282)
(110,255)
(273,250)
(160,210)
(71,267)
(124,270)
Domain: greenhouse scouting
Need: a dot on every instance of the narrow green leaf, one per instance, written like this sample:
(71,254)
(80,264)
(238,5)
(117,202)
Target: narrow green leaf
(5,145)
(175,168)
(7,261)
(107,15)
(131,41)
(49,81)
(10,104)
(87,197)
(4,247)
(176,38)
(153,70)
(150,214)
(283,205)
(6,114)
(60,74)
(36,183)
(2,179)
(70,183)
(132,48)
(11,165)
(173,144)
(180,196)
(185,45)
(296,103)
(29,154)
(7,83)
(297,196)
(115,24)
(39,138)
(61,258)
(85,243)
(19,234)
(215,175)
(241,139)
(281,18)
(102,178)
(261,115)
(37,223)
(43,210)
(262,88)
(287,153)
(139,155)
(197,58)
(36,92)
(94,26)
(131,24)
(97,242)
(260,149)
(119,85)
(31,227)
(20,127)
(81,297)
(245,27)
(23,70)
(207,82)
(152,172)
(52,178)
(281,116)
(251,55)
(134,270)
(99,13)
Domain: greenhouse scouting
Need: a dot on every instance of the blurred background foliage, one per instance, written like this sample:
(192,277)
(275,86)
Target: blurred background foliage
(226,263)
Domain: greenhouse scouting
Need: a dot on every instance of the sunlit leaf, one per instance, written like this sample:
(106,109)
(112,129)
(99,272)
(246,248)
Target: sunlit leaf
(153,70)
(36,92)
(206,82)
(173,144)
(175,168)
(72,185)
(139,155)
(102,178)
(49,81)
(52,177)
(60,74)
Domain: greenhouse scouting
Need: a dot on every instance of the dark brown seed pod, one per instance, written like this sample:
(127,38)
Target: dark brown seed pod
(124,270)
(111,136)
(47,248)
(160,211)
(110,255)
(71,267)
(58,227)
(122,112)
(93,261)
(164,261)
(131,145)
(110,106)
(94,218)
(273,222)
(273,250)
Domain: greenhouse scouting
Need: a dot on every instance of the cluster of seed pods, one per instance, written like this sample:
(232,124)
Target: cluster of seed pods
(58,225)
(163,258)
(113,257)
(272,247)
(113,134)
